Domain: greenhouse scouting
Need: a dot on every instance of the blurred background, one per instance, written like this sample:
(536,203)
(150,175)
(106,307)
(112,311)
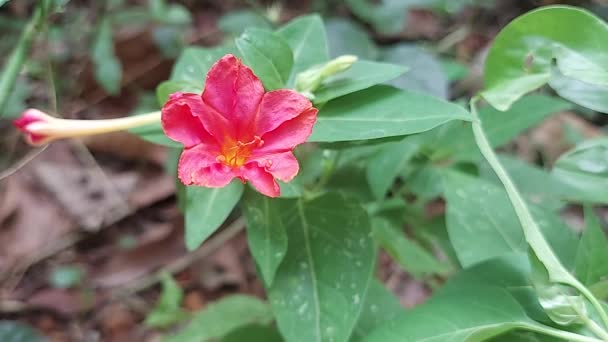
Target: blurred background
(87,225)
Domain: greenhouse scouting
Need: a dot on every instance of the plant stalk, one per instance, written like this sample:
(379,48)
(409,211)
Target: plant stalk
(534,237)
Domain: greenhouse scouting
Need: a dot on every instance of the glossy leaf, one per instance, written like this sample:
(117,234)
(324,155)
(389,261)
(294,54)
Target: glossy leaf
(266,234)
(587,95)
(408,254)
(108,71)
(347,37)
(458,142)
(166,88)
(426,75)
(219,319)
(307,39)
(268,55)
(510,272)
(194,63)
(490,312)
(522,56)
(483,225)
(207,208)
(381,112)
(235,22)
(586,168)
(254,333)
(380,306)
(361,75)
(591,265)
(386,164)
(320,288)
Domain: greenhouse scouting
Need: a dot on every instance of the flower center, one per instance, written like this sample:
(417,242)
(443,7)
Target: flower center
(235,154)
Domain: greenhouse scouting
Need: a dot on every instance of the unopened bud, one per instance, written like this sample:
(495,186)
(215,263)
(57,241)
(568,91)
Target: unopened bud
(310,80)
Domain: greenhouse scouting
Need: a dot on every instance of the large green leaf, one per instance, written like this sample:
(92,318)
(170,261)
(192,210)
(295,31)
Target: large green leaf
(266,234)
(268,54)
(408,254)
(380,112)
(306,37)
(586,168)
(361,75)
(380,306)
(223,317)
(320,288)
(235,22)
(525,52)
(457,142)
(207,208)
(483,225)
(426,74)
(510,272)
(538,185)
(193,64)
(346,37)
(592,255)
(386,164)
(473,314)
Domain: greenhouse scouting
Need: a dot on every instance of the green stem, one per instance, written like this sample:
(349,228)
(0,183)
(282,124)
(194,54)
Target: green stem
(19,55)
(566,335)
(536,241)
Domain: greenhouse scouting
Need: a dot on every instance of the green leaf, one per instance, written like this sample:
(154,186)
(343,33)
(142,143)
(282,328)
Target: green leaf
(380,112)
(561,303)
(380,306)
(537,184)
(223,317)
(320,288)
(361,75)
(592,254)
(167,311)
(586,168)
(207,208)
(426,75)
(154,134)
(522,56)
(108,71)
(64,277)
(307,38)
(483,225)
(458,142)
(416,260)
(166,88)
(13,331)
(194,63)
(235,22)
(346,37)
(265,233)
(524,336)
(510,272)
(254,333)
(587,95)
(384,167)
(268,55)
(454,70)
(471,315)
(386,16)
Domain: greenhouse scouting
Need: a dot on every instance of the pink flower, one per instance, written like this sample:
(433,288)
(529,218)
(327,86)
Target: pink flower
(235,129)
(28,122)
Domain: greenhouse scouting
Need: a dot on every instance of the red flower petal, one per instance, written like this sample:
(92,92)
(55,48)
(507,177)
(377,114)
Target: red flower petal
(199,167)
(180,122)
(288,135)
(260,179)
(279,106)
(234,91)
(283,166)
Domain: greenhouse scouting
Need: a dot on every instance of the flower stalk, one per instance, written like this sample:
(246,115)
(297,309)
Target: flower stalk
(41,128)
